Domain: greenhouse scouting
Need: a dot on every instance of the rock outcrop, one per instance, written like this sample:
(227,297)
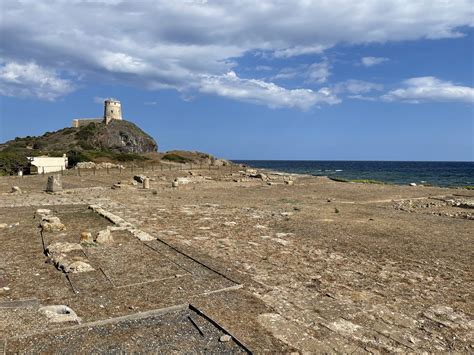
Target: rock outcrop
(122,137)
(119,136)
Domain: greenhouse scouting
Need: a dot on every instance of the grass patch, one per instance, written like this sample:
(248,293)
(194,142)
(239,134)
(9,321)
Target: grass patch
(176,158)
(361,181)
(337,179)
(365,181)
(75,156)
(468,187)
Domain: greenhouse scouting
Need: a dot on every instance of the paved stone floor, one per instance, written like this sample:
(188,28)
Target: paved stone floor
(317,266)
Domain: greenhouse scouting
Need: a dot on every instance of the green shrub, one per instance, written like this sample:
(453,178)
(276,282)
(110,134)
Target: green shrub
(86,132)
(338,179)
(365,181)
(10,162)
(75,157)
(176,158)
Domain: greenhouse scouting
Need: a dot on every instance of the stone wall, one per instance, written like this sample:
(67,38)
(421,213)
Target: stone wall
(85,121)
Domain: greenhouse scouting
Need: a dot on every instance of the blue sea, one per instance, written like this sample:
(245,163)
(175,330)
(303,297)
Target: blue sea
(395,172)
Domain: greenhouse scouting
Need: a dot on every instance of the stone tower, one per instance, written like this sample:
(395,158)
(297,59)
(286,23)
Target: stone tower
(112,110)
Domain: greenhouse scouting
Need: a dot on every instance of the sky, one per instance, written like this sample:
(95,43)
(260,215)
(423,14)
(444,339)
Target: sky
(240,79)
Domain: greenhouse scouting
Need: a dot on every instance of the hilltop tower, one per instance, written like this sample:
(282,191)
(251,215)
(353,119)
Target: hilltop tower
(112,110)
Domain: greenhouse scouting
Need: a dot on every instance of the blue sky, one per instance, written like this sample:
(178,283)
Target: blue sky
(388,80)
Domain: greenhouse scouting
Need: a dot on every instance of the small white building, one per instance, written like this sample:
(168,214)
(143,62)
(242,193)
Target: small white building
(40,165)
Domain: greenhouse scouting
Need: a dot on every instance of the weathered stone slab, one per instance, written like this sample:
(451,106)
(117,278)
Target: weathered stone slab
(54,183)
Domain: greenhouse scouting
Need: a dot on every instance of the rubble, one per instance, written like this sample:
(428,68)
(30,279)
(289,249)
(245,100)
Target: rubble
(139,178)
(62,247)
(103,165)
(86,237)
(59,314)
(104,237)
(16,190)
(52,224)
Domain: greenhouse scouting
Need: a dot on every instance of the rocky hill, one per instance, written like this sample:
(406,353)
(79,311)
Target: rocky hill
(116,137)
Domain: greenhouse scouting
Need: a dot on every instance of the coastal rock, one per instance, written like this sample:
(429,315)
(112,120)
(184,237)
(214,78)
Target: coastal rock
(221,162)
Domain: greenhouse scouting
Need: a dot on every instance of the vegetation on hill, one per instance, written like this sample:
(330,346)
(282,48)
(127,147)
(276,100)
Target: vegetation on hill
(183,156)
(120,141)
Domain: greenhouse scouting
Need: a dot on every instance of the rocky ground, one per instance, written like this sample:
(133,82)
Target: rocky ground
(234,261)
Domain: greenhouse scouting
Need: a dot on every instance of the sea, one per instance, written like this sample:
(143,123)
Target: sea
(394,172)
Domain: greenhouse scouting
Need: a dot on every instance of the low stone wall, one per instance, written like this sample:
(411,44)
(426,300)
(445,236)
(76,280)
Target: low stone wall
(84,122)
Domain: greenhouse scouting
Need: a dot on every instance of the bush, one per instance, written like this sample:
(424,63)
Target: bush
(75,156)
(11,162)
(176,158)
(38,145)
(87,132)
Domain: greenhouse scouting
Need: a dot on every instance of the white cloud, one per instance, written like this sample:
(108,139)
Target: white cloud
(156,44)
(371,61)
(263,68)
(318,72)
(430,89)
(299,50)
(355,87)
(261,92)
(312,73)
(31,80)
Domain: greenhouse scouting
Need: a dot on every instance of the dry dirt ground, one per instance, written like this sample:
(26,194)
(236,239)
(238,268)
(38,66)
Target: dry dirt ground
(309,266)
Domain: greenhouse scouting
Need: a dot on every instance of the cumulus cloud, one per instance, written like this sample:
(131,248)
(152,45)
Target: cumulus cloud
(430,89)
(261,92)
(31,80)
(156,44)
(371,61)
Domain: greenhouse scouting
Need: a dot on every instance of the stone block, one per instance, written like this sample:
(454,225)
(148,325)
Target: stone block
(54,184)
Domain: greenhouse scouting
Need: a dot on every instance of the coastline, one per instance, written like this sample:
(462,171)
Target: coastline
(440,174)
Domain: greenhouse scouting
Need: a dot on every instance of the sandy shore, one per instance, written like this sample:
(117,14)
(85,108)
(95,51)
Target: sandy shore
(310,265)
